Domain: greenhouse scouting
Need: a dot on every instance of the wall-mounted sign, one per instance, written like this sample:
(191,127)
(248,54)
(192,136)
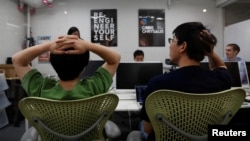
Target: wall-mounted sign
(151,27)
(104,27)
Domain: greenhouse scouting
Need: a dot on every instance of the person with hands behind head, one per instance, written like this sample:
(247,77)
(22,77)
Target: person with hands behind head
(191,42)
(69,55)
(74,31)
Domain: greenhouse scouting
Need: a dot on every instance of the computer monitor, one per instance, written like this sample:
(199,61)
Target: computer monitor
(130,74)
(92,66)
(233,68)
(204,65)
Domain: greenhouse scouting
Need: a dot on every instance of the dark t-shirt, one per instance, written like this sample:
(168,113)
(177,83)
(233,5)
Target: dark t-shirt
(191,79)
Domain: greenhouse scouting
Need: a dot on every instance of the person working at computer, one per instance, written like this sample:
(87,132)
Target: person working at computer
(231,52)
(138,56)
(191,42)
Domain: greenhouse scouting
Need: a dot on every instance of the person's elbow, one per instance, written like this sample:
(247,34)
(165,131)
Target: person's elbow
(118,58)
(115,59)
(14,59)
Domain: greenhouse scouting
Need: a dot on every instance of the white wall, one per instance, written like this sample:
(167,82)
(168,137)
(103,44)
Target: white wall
(239,33)
(54,22)
(12,29)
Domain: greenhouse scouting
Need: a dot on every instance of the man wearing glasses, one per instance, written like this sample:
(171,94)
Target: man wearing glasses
(191,42)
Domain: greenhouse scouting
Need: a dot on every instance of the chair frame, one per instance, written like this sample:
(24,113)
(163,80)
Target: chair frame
(166,108)
(101,108)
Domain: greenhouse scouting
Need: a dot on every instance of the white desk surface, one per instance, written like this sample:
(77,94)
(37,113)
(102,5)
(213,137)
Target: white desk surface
(127,102)
(128,105)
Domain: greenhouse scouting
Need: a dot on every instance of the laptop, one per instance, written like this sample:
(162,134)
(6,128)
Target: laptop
(245,76)
(248,75)
(139,89)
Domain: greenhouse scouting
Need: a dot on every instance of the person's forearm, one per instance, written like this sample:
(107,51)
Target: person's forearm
(24,57)
(215,61)
(109,55)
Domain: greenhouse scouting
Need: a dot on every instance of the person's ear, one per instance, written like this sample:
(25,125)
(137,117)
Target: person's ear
(183,47)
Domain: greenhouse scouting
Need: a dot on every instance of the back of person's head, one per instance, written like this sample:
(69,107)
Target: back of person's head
(69,67)
(190,33)
(138,53)
(72,30)
(235,47)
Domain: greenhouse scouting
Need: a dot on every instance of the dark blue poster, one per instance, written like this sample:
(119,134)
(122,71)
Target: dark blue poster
(151,27)
(104,27)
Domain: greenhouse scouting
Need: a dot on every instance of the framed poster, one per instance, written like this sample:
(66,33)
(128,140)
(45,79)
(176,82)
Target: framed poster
(104,27)
(151,27)
(43,58)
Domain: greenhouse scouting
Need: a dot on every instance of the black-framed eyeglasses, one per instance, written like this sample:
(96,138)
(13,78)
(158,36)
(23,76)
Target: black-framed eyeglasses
(170,40)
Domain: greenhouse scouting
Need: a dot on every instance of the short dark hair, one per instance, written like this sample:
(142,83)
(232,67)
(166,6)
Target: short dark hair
(69,67)
(190,33)
(235,47)
(138,53)
(72,30)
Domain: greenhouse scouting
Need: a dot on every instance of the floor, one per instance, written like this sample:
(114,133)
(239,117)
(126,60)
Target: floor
(11,132)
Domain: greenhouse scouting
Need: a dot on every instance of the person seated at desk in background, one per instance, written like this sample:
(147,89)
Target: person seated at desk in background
(138,56)
(231,52)
(188,47)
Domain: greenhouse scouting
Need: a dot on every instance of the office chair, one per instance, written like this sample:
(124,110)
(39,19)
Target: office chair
(82,119)
(183,116)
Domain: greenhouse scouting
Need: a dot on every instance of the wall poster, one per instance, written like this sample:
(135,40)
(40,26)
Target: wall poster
(151,27)
(104,27)
(43,58)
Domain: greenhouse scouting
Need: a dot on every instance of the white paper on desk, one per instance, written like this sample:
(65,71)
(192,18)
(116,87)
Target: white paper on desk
(4,101)
(3,83)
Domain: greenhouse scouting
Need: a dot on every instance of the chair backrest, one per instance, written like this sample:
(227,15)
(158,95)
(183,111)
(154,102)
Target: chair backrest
(191,113)
(69,117)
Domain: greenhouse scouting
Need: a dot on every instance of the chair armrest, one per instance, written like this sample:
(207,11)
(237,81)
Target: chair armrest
(188,135)
(227,116)
(66,137)
(112,130)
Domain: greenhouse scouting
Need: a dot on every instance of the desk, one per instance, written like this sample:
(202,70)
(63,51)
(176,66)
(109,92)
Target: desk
(9,69)
(245,105)
(15,93)
(127,112)
(128,105)
(127,102)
